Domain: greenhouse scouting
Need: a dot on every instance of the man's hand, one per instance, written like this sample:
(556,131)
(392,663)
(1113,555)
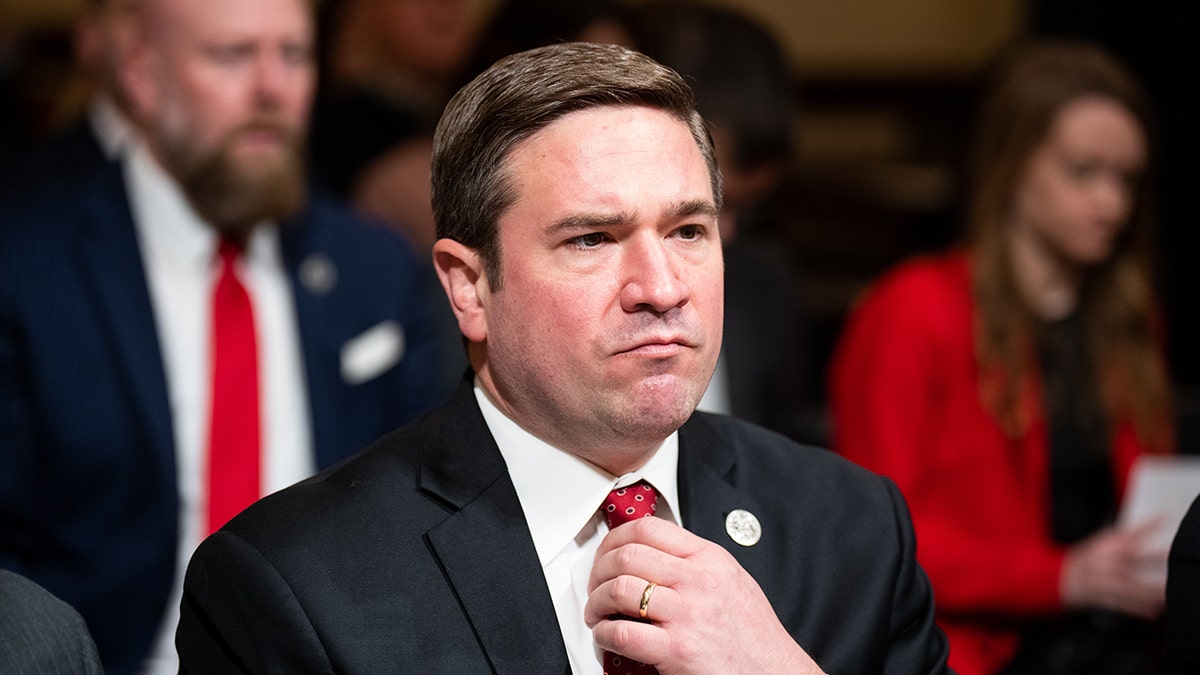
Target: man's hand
(706,614)
(1113,570)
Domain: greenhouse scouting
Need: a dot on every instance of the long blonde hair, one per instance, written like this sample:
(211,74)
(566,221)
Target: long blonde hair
(1028,86)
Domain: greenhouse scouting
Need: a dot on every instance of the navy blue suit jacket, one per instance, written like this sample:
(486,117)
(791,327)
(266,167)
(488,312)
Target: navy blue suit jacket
(88,493)
(415,557)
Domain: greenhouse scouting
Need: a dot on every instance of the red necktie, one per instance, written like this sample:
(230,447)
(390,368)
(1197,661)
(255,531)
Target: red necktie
(622,505)
(233,453)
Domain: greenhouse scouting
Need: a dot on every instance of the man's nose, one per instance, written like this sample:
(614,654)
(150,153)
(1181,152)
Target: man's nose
(277,77)
(652,276)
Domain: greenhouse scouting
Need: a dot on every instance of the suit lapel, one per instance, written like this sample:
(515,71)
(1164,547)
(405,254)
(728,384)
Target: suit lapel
(485,547)
(316,342)
(487,551)
(708,492)
(111,260)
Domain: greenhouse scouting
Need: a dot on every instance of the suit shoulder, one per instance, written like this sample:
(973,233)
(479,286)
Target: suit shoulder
(810,492)
(38,228)
(776,460)
(335,505)
(45,212)
(366,251)
(386,477)
(334,221)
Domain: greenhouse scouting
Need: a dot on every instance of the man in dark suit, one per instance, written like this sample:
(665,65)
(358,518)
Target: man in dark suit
(40,633)
(108,403)
(577,200)
(1182,651)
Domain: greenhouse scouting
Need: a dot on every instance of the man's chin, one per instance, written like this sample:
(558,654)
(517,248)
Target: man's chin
(261,149)
(263,163)
(666,401)
(248,193)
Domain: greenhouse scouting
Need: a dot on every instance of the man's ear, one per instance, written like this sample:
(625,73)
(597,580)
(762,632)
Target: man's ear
(460,270)
(139,80)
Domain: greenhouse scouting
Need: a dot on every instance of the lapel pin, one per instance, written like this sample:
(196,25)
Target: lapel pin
(318,274)
(743,527)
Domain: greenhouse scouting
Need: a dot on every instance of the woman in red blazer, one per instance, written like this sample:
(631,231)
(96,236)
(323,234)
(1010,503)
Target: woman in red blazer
(1007,386)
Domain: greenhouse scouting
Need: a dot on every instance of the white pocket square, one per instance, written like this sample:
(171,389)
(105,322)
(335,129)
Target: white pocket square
(372,352)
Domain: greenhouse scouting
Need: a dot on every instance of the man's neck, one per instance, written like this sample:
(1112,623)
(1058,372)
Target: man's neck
(615,452)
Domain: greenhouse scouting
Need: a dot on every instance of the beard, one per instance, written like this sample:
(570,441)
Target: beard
(234,194)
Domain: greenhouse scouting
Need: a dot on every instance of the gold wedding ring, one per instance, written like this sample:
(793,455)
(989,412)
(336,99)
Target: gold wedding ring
(645,603)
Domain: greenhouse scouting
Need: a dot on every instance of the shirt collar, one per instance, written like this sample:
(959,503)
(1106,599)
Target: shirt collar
(112,129)
(545,475)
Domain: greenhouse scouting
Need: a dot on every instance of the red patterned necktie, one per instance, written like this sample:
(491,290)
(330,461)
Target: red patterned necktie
(234,469)
(622,505)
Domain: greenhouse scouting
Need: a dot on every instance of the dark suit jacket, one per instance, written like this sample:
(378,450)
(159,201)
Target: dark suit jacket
(415,557)
(88,494)
(40,633)
(1182,653)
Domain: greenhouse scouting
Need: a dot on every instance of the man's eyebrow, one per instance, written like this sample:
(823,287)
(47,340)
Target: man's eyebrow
(590,221)
(695,207)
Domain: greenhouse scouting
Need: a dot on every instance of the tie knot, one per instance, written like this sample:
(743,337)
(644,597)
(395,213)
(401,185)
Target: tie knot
(630,503)
(229,251)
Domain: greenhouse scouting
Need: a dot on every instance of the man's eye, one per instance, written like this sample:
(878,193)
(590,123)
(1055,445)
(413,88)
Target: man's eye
(691,232)
(590,240)
(229,55)
(297,55)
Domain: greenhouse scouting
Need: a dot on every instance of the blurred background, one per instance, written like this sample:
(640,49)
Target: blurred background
(886,90)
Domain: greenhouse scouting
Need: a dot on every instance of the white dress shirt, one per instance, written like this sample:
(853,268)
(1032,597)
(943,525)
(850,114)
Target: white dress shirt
(561,496)
(109,125)
(179,253)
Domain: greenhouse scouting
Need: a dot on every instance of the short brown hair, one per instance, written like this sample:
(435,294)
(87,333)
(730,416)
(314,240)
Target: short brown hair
(517,97)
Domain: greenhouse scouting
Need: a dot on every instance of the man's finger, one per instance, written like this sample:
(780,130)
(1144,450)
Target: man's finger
(655,532)
(630,596)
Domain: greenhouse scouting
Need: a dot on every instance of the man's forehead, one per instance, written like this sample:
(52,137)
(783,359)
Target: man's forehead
(580,133)
(568,166)
(232,20)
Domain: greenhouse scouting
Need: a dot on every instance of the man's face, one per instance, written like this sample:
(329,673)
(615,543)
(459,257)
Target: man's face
(232,86)
(607,324)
